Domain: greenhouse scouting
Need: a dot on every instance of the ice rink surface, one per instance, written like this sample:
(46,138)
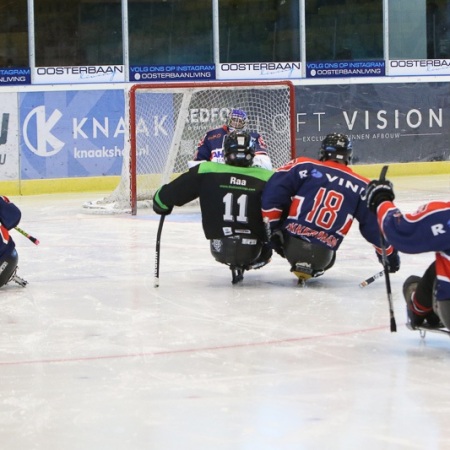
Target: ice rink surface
(93,357)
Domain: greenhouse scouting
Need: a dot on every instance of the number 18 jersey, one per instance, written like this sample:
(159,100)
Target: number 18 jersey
(318,201)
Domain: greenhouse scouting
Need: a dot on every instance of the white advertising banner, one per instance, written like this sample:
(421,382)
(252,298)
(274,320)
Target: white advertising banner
(414,67)
(9,137)
(259,71)
(78,74)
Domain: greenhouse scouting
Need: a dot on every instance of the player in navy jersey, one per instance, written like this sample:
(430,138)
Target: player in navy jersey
(210,148)
(230,203)
(10,216)
(426,230)
(311,204)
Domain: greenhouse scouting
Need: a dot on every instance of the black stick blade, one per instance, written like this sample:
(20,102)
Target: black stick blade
(393,325)
(383,173)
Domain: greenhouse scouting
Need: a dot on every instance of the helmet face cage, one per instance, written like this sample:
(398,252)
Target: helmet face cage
(336,147)
(239,149)
(237,120)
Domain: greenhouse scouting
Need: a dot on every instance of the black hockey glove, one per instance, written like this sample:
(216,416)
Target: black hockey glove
(379,192)
(393,261)
(277,242)
(161,210)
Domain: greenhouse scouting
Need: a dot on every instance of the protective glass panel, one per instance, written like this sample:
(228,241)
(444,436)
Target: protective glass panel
(13,33)
(170,32)
(259,31)
(344,30)
(419,30)
(76,32)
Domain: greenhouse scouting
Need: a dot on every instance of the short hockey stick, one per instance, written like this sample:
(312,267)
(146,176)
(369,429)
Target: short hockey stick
(157,251)
(371,279)
(28,236)
(386,264)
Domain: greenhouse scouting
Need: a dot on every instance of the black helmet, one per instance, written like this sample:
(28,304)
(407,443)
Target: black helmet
(336,147)
(239,149)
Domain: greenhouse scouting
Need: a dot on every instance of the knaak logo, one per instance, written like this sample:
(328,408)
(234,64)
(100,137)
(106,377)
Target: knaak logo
(37,132)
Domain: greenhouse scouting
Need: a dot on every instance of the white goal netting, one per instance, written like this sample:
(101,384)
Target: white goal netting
(167,122)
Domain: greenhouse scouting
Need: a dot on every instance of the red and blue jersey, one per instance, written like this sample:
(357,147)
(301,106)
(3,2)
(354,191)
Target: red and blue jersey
(426,230)
(318,201)
(10,216)
(210,148)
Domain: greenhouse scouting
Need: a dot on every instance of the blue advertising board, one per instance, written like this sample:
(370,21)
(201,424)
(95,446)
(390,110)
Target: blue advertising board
(15,75)
(71,133)
(345,69)
(178,72)
(155,127)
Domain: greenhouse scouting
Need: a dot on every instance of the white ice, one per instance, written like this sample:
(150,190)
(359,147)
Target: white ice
(93,357)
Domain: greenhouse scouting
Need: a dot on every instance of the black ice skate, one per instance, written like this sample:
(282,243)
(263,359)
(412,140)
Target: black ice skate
(237,274)
(427,321)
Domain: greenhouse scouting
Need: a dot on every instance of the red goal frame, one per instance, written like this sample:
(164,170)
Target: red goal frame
(212,84)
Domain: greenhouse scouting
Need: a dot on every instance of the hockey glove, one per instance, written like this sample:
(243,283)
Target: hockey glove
(161,210)
(277,242)
(393,261)
(379,192)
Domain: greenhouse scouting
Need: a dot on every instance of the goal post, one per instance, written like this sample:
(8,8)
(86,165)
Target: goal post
(167,121)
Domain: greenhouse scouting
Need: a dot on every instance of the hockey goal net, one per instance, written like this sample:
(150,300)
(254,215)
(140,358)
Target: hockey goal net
(167,121)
